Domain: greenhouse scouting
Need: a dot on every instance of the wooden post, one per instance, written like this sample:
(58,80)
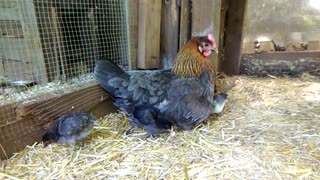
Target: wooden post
(185,22)
(133,32)
(169,32)
(233,35)
(149,34)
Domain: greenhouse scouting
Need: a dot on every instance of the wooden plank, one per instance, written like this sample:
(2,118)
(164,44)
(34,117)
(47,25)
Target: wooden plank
(16,49)
(233,36)
(149,34)
(169,33)
(185,22)
(54,107)
(7,114)
(23,124)
(10,29)
(206,19)
(31,33)
(8,4)
(9,14)
(281,63)
(217,24)
(133,30)
(48,41)
(202,17)
(58,45)
(1,68)
(17,70)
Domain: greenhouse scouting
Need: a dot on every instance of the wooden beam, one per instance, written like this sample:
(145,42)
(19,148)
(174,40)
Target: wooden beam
(169,33)
(23,124)
(133,32)
(149,34)
(233,35)
(281,63)
(185,22)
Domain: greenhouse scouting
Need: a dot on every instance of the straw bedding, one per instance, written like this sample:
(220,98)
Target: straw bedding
(269,129)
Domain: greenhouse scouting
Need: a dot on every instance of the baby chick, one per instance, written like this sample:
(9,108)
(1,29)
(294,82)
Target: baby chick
(219,100)
(69,129)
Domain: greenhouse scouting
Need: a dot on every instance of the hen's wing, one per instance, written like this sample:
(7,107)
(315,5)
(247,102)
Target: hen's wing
(143,87)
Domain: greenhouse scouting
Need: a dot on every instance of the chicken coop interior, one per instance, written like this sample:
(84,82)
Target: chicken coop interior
(267,62)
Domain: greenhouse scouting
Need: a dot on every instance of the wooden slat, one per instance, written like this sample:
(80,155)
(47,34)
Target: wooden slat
(233,36)
(8,3)
(169,33)
(185,22)
(17,70)
(1,68)
(10,29)
(133,30)
(202,17)
(149,34)
(217,24)
(9,14)
(16,49)
(31,33)
(54,107)
(7,114)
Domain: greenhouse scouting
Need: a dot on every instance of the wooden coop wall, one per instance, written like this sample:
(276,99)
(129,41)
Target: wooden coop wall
(21,56)
(65,38)
(164,26)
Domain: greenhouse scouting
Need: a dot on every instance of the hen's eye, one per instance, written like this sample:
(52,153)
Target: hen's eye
(206,44)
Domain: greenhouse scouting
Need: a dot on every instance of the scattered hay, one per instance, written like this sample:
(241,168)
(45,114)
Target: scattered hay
(269,129)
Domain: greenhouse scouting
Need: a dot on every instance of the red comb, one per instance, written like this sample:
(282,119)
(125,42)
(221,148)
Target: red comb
(213,41)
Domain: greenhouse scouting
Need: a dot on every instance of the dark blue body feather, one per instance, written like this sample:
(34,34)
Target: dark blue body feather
(185,101)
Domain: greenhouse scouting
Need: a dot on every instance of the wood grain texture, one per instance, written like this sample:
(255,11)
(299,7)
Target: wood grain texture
(185,22)
(169,33)
(133,32)
(149,34)
(233,35)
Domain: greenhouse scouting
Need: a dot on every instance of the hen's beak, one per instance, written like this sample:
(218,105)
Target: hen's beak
(215,50)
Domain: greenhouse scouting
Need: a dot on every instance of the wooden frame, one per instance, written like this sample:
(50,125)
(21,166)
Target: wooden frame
(26,122)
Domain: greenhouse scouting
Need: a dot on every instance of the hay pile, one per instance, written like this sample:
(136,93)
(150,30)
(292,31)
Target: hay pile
(269,129)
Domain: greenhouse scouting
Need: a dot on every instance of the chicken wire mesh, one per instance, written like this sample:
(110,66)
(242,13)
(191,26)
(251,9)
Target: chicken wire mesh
(286,23)
(52,44)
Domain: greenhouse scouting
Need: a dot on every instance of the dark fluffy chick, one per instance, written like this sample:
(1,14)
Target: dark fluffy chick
(219,100)
(69,129)
(150,119)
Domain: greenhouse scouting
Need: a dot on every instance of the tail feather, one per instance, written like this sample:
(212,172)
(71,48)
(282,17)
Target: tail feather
(109,76)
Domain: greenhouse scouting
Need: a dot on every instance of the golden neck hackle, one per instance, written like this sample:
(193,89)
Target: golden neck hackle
(190,62)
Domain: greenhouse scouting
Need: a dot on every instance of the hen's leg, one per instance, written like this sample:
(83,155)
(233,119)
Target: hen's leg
(130,128)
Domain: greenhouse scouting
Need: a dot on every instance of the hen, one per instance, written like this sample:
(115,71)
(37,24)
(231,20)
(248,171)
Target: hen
(184,94)
(69,129)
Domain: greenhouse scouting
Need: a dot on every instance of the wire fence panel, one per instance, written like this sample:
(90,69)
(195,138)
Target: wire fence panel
(47,46)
